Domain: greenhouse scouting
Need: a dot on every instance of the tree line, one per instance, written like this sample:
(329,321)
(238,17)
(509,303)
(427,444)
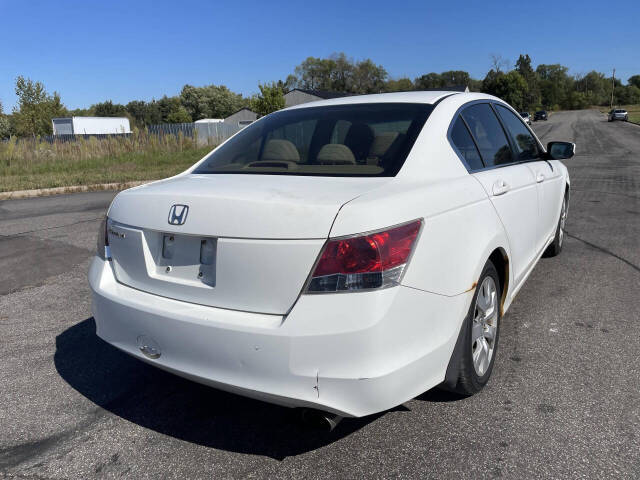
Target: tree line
(522,86)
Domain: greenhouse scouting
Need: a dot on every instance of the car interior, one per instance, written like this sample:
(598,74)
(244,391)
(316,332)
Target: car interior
(342,141)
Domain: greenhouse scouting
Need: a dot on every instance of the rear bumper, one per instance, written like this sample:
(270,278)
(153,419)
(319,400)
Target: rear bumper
(351,354)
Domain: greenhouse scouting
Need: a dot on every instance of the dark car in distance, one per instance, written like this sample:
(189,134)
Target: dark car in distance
(541,115)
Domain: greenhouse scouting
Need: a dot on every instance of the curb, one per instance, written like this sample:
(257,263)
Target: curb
(41,192)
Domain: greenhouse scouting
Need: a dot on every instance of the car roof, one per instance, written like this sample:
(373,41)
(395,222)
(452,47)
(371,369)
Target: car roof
(428,97)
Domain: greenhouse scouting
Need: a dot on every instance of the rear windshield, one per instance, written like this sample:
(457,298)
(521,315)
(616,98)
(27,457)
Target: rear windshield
(620,111)
(366,140)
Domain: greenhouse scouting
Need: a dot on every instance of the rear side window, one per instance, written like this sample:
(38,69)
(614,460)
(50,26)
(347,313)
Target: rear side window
(462,140)
(488,134)
(344,140)
(526,146)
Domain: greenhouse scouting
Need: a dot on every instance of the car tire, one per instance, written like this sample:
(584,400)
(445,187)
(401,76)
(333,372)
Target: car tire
(558,240)
(474,355)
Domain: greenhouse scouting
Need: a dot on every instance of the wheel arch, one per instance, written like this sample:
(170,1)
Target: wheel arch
(500,260)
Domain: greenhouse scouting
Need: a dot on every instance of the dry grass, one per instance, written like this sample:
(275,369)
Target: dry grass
(30,164)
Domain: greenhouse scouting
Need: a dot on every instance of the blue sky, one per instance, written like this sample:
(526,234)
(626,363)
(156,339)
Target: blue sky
(91,51)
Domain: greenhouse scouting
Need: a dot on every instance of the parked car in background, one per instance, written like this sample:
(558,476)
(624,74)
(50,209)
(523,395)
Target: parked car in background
(541,115)
(618,114)
(526,117)
(344,255)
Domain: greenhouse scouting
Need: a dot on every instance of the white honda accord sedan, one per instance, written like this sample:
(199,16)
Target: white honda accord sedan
(343,255)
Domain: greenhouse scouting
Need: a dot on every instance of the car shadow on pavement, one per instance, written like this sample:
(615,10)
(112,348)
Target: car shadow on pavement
(435,395)
(173,406)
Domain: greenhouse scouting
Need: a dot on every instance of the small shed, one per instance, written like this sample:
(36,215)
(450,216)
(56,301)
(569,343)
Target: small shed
(209,120)
(91,125)
(242,117)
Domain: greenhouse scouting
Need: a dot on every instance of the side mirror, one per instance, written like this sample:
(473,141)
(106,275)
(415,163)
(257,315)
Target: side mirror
(560,150)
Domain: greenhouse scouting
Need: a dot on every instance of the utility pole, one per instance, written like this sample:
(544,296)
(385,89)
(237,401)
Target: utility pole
(613,85)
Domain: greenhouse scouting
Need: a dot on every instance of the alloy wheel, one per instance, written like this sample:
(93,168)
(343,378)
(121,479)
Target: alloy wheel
(485,326)
(563,219)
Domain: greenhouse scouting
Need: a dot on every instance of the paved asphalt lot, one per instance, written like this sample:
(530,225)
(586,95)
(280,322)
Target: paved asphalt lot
(563,402)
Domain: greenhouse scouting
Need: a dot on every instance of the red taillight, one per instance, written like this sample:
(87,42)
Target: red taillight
(368,261)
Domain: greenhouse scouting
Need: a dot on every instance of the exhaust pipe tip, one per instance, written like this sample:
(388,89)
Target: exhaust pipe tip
(320,420)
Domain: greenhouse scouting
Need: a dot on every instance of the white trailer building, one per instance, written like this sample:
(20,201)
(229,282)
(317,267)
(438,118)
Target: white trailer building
(90,125)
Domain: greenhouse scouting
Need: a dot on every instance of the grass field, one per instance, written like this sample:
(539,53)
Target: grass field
(30,164)
(634,112)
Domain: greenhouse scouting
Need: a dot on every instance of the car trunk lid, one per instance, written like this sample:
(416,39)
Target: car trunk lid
(244,242)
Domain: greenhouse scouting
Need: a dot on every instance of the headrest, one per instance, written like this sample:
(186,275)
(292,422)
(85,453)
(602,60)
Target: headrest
(284,150)
(336,154)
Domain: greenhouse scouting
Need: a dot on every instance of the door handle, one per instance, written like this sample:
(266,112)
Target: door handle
(540,177)
(500,188)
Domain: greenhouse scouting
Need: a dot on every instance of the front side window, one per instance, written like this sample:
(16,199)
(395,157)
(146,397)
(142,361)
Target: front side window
(488,134)
(526,146)
(343,140)
(461,138)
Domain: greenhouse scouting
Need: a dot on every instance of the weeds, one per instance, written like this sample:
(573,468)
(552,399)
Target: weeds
(34,163)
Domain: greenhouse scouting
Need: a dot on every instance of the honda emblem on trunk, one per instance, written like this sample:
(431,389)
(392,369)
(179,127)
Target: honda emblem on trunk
(178,214)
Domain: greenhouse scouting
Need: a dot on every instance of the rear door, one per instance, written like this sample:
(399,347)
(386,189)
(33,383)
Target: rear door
(548,178)
(511,186)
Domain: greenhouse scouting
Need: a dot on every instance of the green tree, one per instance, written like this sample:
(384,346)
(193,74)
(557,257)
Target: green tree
(35,108)
(315,73)
(450,78)
(5,126)
(368,77)
(211,101)
(270,99)
(576,100)
(108,109)
(137,110)
(595,87)
(453,78)
(510,87)
(524,68)
(401,85)
(342,72)
(430,80)
(180,115)
(555,85)
(290,83)
(168,106)
(634,80)
(627,95)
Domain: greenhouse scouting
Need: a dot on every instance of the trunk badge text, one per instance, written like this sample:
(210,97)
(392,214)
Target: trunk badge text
(178,214)
(116,234)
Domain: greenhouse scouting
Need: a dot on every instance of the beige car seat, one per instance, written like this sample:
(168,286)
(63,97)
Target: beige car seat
(336,154)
